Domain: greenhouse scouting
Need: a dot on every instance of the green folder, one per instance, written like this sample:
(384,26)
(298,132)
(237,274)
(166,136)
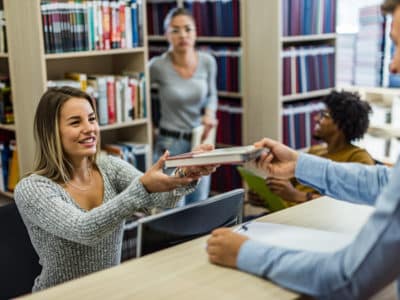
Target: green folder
(257,184)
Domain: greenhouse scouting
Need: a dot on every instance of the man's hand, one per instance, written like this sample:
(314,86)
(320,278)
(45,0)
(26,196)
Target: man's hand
(223,247)
(280,161)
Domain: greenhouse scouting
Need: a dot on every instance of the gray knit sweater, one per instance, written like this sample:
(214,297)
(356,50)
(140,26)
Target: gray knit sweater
(72,242)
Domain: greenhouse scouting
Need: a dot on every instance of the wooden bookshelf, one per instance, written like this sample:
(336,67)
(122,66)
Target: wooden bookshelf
(304,96)
(308,38)
(31,68)
(94,53)
(262,68)
(9,127)
(230,94)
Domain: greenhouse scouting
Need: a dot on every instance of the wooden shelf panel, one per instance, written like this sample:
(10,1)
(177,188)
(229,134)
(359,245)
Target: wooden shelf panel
(312,94)
(9,127)
(308,38)
(3,55)
(94,53)
(385,131)
(230,94)
(202,39)
(123,125)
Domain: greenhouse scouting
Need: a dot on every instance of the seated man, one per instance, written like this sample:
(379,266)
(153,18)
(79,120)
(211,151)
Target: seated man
(344,120)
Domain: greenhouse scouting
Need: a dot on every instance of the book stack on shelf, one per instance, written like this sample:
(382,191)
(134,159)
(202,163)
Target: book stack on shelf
(3,33)
(370,47)
(308,17)
(9,170)
(288,68)
(119,98)
(308,68)
(91,25)
(136,154)
(218,25)
(299,119)
(345,57)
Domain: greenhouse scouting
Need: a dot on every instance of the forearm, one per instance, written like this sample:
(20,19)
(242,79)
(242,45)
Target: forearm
(346,181)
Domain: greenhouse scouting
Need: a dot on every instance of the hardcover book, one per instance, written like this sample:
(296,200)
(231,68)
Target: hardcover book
(232,155)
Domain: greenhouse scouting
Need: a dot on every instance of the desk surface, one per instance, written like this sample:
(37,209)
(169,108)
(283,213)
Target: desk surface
(183,271)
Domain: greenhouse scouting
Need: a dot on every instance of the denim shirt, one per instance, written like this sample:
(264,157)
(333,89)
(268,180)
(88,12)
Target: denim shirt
(357,271)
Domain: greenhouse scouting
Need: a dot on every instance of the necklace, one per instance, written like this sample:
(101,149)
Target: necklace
(88,186)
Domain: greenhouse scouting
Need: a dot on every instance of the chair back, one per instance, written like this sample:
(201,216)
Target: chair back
(182,224)
(19,263)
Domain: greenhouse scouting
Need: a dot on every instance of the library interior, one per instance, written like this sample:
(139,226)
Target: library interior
(154,149)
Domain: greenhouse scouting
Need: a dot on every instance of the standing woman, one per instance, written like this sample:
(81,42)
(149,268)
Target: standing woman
(187,91)
(74,203)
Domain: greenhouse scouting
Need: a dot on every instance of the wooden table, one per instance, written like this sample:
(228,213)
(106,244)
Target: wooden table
(183,271)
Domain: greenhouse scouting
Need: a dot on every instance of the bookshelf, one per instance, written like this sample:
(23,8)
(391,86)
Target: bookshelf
(262,74)
(261,98)
(32,67)
(382,138)
(221,37)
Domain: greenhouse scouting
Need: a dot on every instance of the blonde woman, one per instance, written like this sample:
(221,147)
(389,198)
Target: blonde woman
(74,203)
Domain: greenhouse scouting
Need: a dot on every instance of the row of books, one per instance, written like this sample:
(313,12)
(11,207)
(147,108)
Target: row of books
(136,154)
(212,17)
(298,121)
(6,107)
(307,69)
(345,62)
(303,17)
(384,147)
(228,64)
(229,115)
(9,170)
(119,98)
(215,17)
(3,36)
(91,25)
(370,47)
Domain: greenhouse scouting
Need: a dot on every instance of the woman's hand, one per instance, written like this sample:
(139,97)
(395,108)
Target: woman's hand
(198,171)
(223,247)
(280,161)
(154,180)
(208,123)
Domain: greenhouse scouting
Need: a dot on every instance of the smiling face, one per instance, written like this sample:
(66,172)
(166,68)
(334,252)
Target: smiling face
(181,33)
(325,127)
(79,129)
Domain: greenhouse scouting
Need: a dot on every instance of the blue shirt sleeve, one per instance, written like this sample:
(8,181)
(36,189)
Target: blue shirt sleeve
(352,182)
(357,271)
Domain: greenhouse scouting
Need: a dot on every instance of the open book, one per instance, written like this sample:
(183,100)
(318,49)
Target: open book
(296,237)
(233,155)
(257,184)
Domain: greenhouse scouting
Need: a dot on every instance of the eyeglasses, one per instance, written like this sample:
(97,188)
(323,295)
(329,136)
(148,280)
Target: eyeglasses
(177,30)
(324,114)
